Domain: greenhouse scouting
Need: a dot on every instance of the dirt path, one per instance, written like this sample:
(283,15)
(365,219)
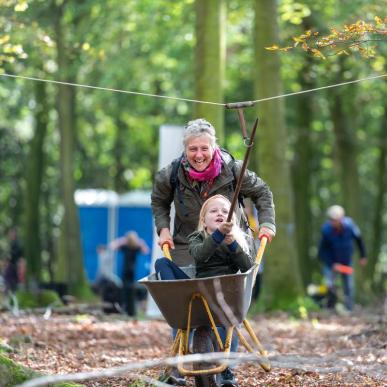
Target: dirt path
(325,351)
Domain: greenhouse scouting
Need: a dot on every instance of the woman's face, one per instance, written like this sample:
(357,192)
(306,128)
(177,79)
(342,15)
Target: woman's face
(216,214)
(199,152)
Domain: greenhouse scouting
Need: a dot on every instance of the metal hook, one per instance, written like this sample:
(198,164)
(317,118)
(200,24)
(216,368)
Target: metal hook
(247,143)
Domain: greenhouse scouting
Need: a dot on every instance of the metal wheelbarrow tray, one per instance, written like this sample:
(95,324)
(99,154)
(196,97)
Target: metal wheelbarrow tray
(204,304)
(228,296)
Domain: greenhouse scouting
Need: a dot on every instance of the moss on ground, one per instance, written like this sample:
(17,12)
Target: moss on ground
(42,298)
(12,374)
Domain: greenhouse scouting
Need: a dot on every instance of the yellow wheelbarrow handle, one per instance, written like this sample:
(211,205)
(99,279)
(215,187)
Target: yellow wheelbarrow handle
(166,252)
(261,250)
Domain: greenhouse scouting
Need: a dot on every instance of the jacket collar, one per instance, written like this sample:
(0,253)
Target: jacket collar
(224,178)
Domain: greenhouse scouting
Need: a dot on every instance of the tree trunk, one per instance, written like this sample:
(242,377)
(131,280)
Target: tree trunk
(301,172)
(33,195)
(120,183)
(346,148)
(344,115)
(70,263)
(209,60)
(281,265)
(377,233)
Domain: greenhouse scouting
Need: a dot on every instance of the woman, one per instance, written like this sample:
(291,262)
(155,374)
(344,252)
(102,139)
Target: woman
(202,171)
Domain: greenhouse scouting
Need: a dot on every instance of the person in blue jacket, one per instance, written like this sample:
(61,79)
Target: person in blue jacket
(336,249)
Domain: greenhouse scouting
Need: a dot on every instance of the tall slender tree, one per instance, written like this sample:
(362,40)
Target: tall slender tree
(282,275)
(70,266)
(344,118)
(301,171)
(380,205)
(34,177)
(210,59)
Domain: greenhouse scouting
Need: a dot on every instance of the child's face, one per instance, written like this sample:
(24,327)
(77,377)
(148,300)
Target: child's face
(216,214)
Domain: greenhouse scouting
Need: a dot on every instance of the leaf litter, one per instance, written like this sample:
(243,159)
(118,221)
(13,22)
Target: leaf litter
(328,350)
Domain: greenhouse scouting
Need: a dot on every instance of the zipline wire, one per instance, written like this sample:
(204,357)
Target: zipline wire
(109,89)
(319,88)
(187,99)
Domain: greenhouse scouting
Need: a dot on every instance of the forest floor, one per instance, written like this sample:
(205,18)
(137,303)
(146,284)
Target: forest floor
(326,350)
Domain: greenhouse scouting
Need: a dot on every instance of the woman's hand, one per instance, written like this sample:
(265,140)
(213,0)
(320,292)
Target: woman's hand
(225,227)
(266,232)
(166,237)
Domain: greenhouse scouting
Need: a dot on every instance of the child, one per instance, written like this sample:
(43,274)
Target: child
(218,247)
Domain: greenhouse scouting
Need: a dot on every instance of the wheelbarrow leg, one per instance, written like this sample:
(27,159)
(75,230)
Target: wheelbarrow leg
(165,376)
(264,363)
(176,343)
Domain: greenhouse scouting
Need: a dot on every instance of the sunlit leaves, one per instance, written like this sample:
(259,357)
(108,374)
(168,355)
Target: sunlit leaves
(293,11)
(359,37)
(275,47)
(21,6)
(10,51)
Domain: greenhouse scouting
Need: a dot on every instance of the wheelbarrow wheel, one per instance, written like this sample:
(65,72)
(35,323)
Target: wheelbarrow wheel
(203,342)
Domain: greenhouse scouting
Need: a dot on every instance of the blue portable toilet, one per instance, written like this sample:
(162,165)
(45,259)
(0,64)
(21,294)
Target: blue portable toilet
(105,216)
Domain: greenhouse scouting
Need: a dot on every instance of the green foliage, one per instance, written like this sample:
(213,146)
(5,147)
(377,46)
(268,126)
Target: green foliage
(5,347)
(83,292)
(26,299)
(299,308)
(13,374)
(138,383)
(35,300)
(49,297)
(294,12)
(302,307)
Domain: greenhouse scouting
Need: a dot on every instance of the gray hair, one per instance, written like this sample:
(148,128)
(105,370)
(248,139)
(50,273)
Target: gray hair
(197,128)
(335,212)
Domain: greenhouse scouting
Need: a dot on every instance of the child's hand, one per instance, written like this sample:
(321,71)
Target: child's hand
(225,227)
(229,238)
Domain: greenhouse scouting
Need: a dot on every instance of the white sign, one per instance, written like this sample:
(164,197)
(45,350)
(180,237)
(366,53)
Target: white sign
(171,147)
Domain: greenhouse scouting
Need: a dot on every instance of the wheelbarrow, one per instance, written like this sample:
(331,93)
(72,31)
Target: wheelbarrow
(204,304)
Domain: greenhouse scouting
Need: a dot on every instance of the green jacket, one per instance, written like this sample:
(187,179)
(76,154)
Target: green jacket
(214,259)
(188,202)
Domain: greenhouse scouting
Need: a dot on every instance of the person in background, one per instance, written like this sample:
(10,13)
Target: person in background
(107,284)
(336,249)
(106,265)
(14,272)
(130,246)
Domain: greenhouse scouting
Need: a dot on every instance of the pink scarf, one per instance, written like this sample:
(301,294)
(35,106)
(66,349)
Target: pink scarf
(210,173)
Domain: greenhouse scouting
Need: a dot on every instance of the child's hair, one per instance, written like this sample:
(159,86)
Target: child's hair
(239,235)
